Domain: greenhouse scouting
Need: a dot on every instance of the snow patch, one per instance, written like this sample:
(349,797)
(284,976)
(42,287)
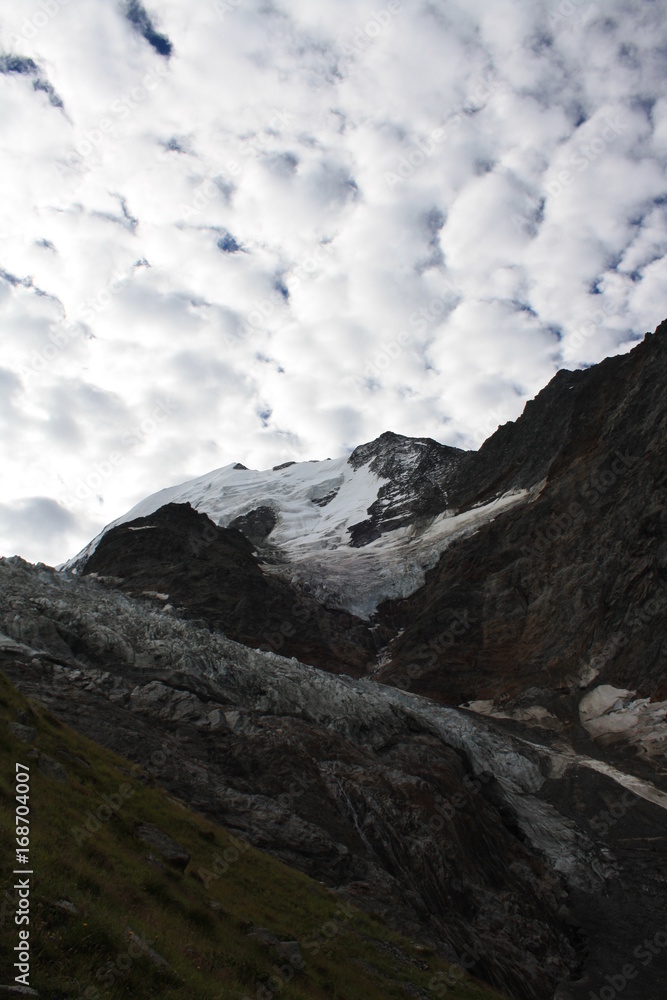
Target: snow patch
(613,714)
(535,714)
(599,701)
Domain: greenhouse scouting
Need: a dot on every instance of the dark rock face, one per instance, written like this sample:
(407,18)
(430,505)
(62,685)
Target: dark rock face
(568,587)
(257,525)
(418,470)
(210,573)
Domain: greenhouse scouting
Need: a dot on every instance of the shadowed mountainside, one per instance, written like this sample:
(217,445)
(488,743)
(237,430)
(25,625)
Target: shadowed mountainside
(570,588)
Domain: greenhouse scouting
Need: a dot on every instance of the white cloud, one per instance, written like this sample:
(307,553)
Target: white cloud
(308,225)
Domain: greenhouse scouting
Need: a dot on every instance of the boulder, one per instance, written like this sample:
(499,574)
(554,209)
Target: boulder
(172,852)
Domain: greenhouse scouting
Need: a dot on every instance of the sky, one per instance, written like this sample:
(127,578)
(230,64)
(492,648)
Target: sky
(254,231)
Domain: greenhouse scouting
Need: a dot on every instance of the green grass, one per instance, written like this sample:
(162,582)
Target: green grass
(210,955)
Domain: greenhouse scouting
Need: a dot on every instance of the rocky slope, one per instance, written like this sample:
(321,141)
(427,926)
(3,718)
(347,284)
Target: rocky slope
(570,589)
(486,845)
(135,895)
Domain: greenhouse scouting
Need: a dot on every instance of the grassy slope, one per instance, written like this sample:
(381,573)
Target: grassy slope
(107,877)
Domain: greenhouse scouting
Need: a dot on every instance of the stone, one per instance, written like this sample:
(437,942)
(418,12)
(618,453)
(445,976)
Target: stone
(157,960)
(26,734)
(289,950)
(67,906)
(156,863)
(172,853)
(52,768)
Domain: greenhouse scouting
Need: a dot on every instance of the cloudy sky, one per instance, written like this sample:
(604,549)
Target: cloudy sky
(256,231)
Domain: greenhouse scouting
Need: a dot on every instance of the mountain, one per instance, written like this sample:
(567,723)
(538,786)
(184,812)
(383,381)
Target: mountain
(431,679)
(353,531)
(530,569)
(213,574)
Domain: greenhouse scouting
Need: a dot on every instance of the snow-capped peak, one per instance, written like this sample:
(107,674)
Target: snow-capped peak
(358,529)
